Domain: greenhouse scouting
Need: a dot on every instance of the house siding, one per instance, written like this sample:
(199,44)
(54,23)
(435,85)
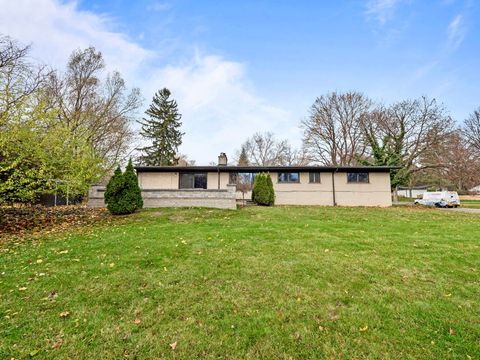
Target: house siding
(374,193)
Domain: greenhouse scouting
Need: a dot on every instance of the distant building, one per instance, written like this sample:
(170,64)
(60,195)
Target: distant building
(475,189)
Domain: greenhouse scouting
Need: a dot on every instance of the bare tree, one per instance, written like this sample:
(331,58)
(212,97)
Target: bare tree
(294,157)
(459,165)
(99,110)
(471,130)
(418,125)
(264,149)
(18,77)
(333,133)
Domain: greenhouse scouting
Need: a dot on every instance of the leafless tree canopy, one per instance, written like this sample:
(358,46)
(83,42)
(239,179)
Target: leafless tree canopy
(333,133)
(263,149)
(417,126)
(460,165)
(18,78)
(100,110)
(471,130)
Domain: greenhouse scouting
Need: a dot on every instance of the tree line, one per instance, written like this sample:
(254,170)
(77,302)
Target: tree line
(62,131)
(345,129)
(66,130)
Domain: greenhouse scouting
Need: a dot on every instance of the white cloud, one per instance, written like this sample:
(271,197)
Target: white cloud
(220,109)
(55,29)
(219,105)
(456,32)
(381,10)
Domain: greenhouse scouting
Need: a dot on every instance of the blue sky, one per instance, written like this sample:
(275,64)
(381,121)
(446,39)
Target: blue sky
(237,67)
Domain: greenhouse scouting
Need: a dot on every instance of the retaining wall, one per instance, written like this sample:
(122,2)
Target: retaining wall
(154,198)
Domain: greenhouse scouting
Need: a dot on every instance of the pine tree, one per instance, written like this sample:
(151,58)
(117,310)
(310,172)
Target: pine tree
(161,128)
(263,193)
(114,190)
(123,195)
(132,192)
(243,158)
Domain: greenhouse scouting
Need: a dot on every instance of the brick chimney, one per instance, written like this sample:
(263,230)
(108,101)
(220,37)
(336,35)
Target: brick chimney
(222,159)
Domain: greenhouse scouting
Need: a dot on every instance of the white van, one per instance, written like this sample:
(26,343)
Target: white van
(439,199)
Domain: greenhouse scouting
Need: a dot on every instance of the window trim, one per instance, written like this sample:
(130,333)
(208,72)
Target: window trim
(193,174)
(358,182)
(310,179)
(288,181)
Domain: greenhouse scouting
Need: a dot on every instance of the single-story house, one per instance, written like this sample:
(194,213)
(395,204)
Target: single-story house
(220,185)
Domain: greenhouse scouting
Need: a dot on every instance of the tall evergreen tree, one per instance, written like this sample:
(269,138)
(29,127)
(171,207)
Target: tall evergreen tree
(243,158)
(162,129)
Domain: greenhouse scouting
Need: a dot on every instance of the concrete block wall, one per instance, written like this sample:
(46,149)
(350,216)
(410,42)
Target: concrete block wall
(154,198)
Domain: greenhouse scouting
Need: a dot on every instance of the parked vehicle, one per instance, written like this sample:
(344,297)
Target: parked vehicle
(439,199)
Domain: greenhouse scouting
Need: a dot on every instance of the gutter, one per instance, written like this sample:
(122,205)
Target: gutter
(333,187)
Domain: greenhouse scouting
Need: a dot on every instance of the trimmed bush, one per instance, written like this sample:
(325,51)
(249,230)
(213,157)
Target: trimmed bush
(123,195)
(262,193)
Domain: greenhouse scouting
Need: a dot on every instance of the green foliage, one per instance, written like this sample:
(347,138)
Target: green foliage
(123,195)
(268,288)
(388,152)
(162,129)
(263,193)
(37,155)
(132,189)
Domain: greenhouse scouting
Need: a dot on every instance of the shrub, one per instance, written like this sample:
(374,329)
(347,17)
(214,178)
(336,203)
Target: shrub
(123,195)
(133,192)
(262,193)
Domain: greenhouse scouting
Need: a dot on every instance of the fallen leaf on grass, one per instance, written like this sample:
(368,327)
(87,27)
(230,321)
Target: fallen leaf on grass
(363,329)
(452,332)
(39,261)
(53,295)
(173,345)
(64,314)
(57,344)
(34,352)
(22,289)
(62,252)
(448,295)
(137,321)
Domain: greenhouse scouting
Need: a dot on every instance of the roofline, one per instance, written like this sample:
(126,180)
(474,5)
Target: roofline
(256,169)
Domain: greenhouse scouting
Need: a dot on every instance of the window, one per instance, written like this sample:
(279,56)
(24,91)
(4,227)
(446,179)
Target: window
(242,178)
(314,177)
(357,177)
(193,181)
(290,177)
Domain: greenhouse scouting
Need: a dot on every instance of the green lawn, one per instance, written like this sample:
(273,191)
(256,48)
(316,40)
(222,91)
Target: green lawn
(475,204)
(283,282)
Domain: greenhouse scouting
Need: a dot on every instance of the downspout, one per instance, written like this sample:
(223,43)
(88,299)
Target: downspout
(333,187)
(218,176)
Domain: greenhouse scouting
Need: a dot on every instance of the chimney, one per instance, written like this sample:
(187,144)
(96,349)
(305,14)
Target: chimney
(222,159)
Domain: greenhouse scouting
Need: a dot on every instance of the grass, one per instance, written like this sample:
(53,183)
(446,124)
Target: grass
(474,204)
(283,282)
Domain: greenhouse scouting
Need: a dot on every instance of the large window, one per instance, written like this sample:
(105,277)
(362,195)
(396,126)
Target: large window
(314,177)
(289,177)
(242,178)
(193,180)
(357,177)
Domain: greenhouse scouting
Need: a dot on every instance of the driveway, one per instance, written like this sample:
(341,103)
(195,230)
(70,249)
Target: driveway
(460,209)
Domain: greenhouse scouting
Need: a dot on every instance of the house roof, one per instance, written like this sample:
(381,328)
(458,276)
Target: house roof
(255,169)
